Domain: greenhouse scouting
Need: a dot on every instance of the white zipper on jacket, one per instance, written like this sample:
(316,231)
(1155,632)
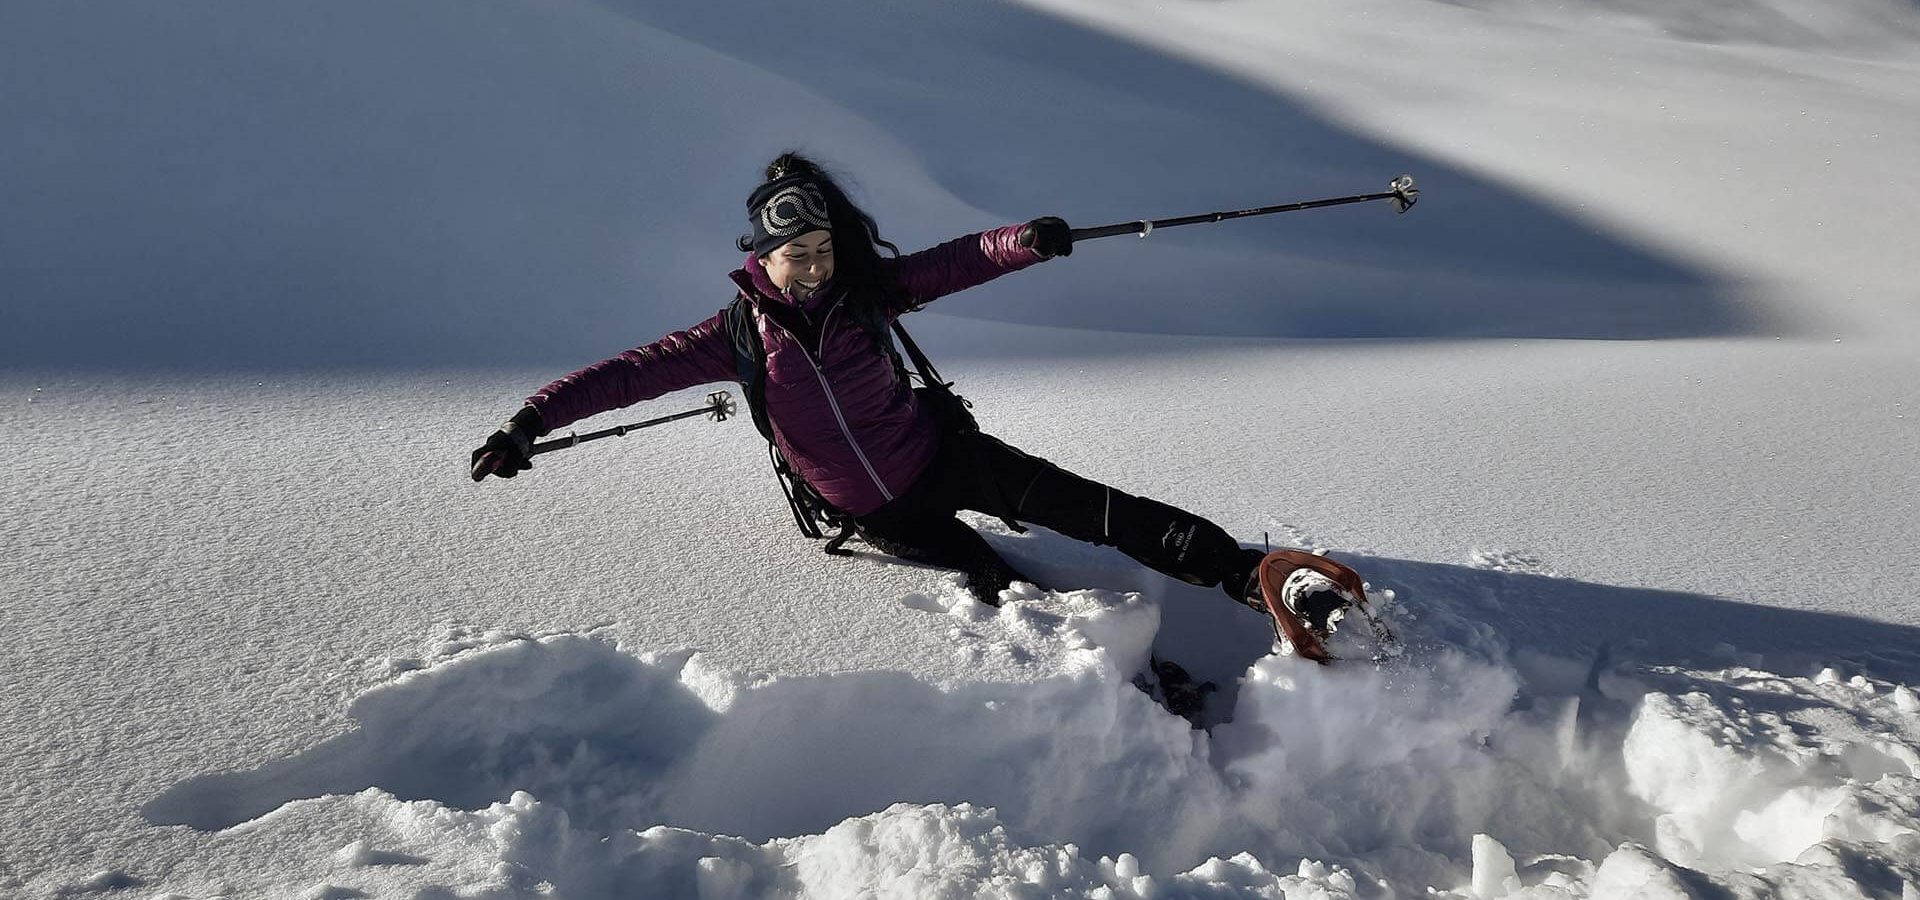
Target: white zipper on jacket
(834,404)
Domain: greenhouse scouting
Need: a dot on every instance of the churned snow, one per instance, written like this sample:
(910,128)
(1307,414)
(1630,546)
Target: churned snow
(506,764)
(1619,424)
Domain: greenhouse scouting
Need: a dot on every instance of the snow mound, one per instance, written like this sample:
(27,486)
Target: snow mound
(506,764)
(1748,768)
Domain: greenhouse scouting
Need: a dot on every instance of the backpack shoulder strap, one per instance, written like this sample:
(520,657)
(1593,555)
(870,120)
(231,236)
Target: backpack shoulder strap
(877,325)
(928,374)
(873,321)
(749,360)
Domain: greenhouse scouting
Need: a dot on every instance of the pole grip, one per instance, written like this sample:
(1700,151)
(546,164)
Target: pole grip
(571,440)
(1100,231)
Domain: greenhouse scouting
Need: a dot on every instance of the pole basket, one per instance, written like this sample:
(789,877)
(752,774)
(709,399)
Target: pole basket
(1405,195)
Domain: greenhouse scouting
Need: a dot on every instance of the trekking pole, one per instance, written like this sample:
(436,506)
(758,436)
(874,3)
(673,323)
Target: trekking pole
(719,406)
(1401,191)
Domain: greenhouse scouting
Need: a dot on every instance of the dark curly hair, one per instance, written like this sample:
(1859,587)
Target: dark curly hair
(856,238)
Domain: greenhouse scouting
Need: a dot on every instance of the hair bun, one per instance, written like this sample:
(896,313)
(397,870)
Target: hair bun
(791,163)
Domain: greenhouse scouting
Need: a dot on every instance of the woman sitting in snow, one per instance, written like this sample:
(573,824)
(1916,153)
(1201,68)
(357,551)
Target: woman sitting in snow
(893,463)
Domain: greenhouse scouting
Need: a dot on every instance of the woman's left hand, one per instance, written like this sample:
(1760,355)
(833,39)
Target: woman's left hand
(509,451)
(1048,236)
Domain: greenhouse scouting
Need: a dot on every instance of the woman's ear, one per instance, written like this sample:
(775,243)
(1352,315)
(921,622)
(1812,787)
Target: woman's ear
(761,260)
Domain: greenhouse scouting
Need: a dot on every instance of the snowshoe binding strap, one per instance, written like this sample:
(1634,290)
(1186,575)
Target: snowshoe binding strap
(1272,574)
(1316,600)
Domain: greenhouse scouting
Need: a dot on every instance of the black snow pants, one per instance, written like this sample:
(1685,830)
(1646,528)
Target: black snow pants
(979,472)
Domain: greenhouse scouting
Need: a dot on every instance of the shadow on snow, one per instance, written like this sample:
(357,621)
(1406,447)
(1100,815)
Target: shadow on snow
(1070,121)
(497,185)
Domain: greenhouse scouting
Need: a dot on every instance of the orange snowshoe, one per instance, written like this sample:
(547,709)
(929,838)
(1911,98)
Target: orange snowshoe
(1306,596)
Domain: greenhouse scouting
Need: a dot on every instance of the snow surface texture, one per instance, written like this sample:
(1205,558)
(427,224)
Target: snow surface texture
(1661,586)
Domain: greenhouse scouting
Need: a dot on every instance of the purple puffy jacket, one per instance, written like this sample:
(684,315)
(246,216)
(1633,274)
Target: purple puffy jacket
(840,413)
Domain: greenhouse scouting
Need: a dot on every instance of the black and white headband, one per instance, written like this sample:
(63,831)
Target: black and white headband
(784,209)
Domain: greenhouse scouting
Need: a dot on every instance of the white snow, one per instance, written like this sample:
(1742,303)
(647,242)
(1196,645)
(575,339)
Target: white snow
(1624,446)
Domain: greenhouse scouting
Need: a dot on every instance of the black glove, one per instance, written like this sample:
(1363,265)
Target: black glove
(1048,235)
(509,451)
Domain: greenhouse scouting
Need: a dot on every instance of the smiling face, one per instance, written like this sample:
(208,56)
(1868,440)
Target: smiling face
(801,265)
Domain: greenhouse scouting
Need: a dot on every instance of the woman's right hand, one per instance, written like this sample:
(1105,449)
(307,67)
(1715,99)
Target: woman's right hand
(1048,236)
(509,451)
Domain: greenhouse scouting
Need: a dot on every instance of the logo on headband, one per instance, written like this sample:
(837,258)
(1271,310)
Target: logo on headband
(795,209)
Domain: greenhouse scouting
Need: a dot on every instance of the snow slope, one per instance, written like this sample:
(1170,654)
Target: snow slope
(266,640)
